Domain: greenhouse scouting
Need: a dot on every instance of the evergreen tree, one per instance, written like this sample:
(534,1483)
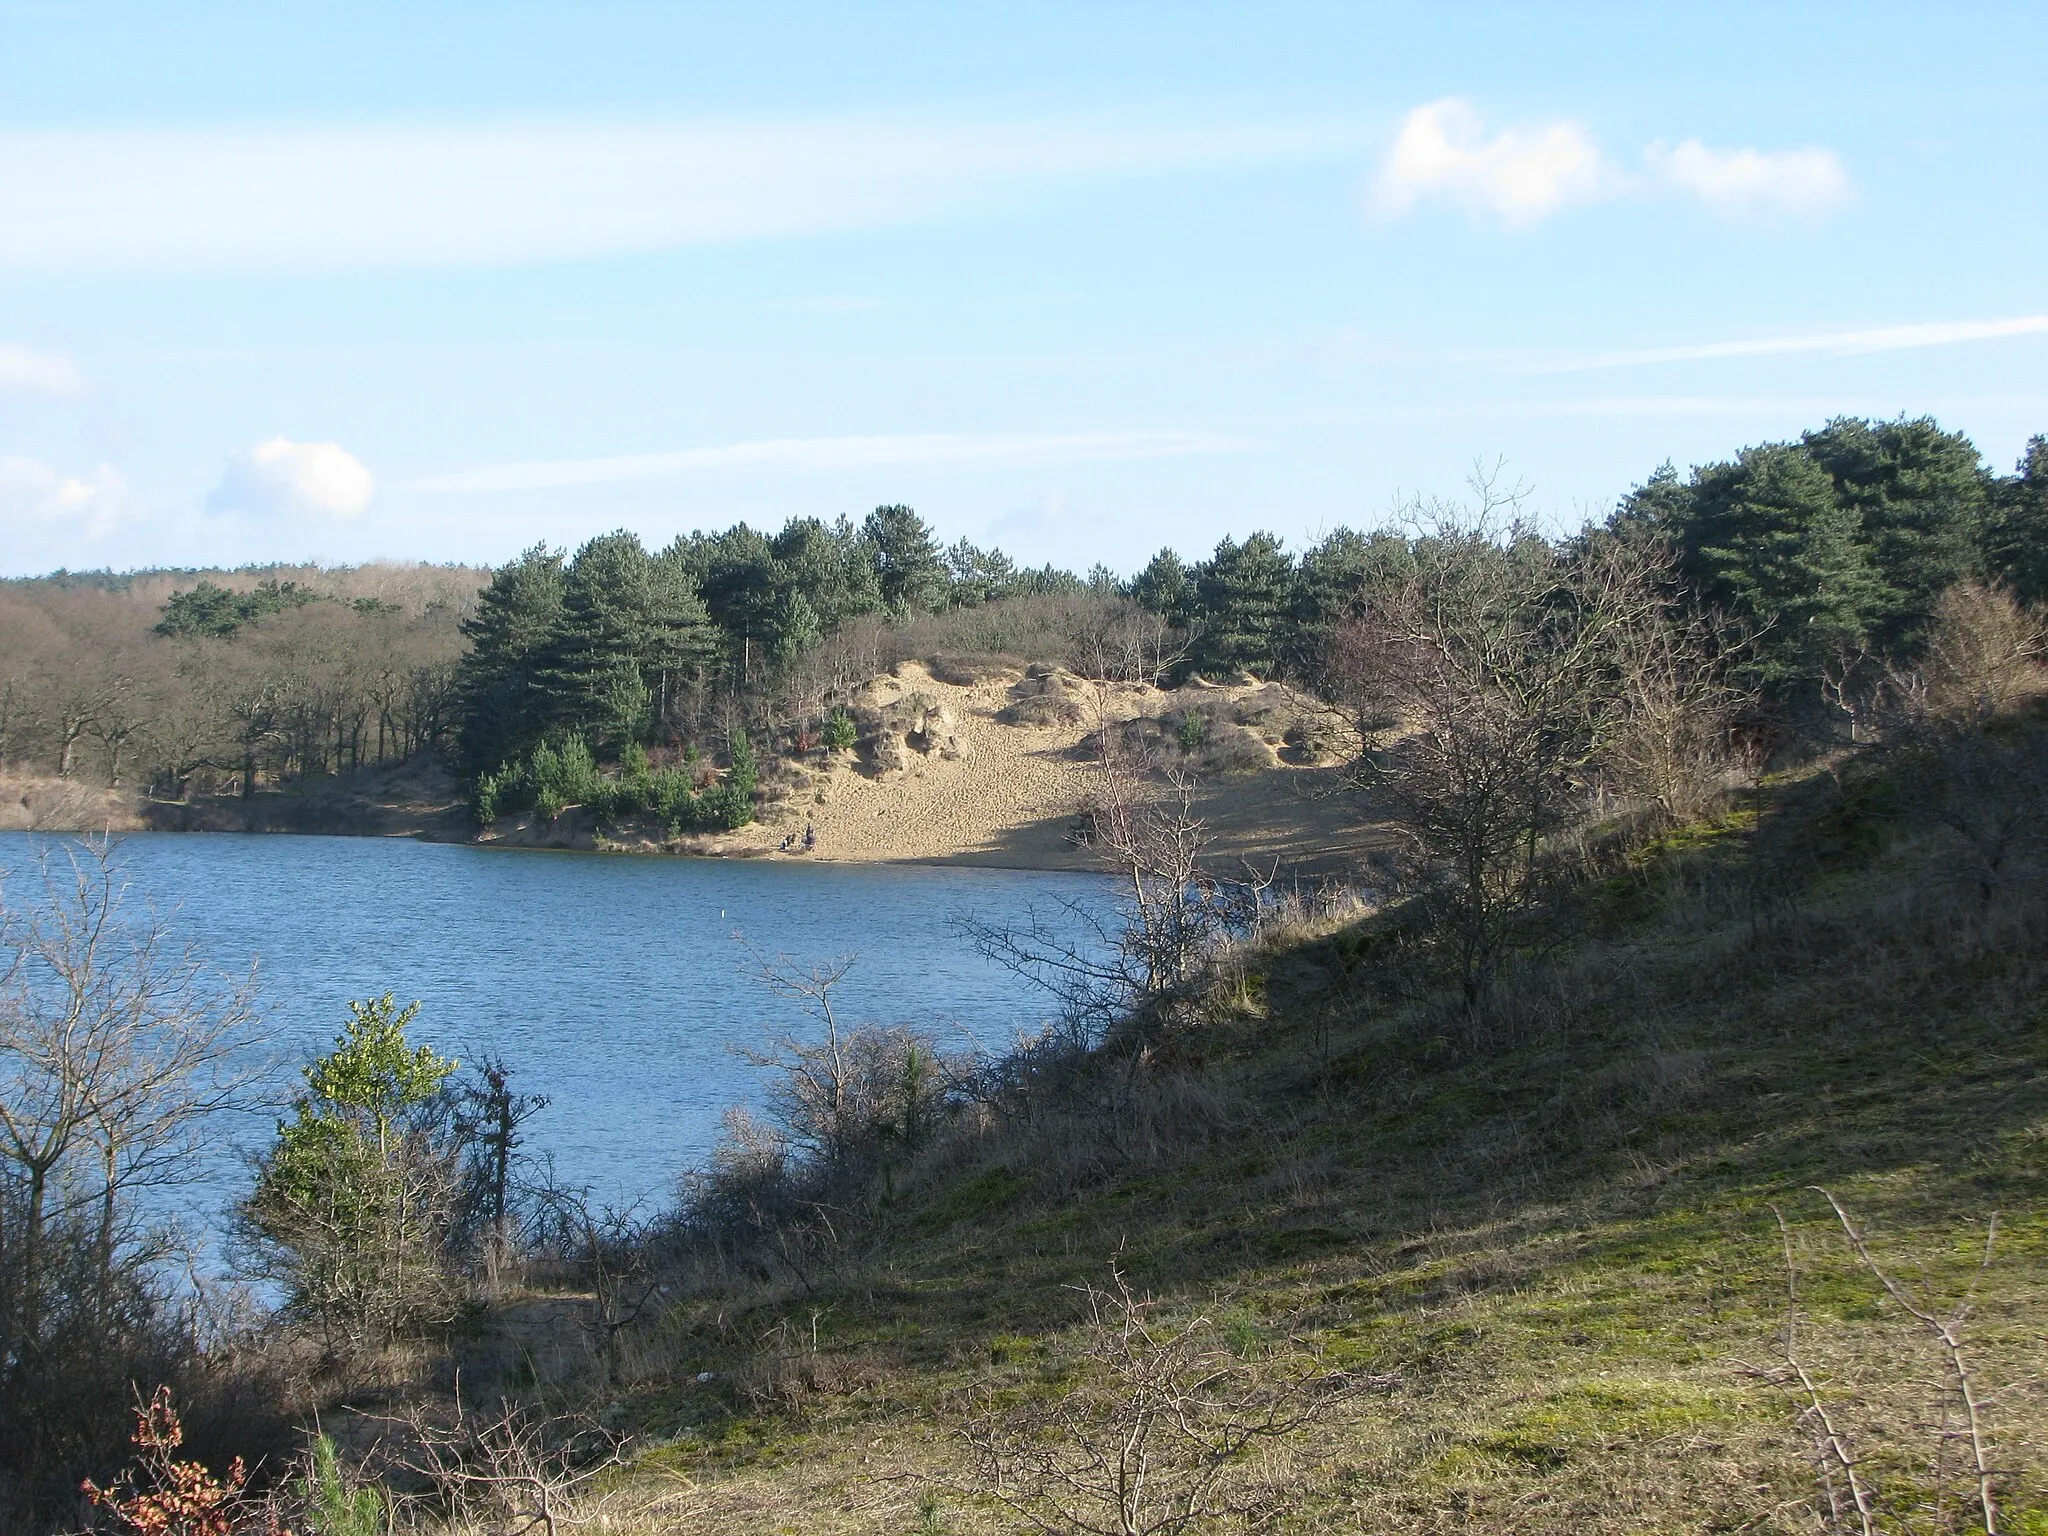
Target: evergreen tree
(1165,587)
(1042,579)
(831,565)
(510,637)
(979,575)
(593,680)
(1333,582)
(679,639)
(796,629)
(354,1203)
(1919,496)
(907,562)
(2016,540)
(741,581)
(1241,597)
(1661,507)
(1770,541)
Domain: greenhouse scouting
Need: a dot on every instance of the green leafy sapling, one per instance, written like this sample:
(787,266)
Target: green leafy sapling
(352,1207)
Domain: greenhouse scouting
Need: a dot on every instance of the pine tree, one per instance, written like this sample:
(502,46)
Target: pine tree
(907,562)
(1332,582)
(592,680)
(1773,544)
(1164,587)
(979,575)
(1241,596)
(679,640)
(2016,539)
(831,565)
(1920,496)
(510,637)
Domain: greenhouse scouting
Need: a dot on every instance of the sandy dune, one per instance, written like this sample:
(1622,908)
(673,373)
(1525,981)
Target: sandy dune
(991,793)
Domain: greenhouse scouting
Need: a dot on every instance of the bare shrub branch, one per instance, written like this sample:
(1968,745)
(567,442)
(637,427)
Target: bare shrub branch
(1143,1443)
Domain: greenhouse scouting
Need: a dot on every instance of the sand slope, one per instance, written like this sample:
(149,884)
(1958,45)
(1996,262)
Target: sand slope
(982,791)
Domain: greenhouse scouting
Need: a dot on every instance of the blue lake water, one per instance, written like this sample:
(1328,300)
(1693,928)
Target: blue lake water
(612,984)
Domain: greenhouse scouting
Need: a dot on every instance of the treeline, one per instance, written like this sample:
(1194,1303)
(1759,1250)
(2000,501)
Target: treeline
(1835,550)
(715,634)
(1830,553)
(235,680)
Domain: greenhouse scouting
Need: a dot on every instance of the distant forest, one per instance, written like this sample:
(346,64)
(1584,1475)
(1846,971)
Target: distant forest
(1829,554)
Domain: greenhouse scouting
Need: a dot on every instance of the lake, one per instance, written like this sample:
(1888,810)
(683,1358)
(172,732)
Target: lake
(610,983)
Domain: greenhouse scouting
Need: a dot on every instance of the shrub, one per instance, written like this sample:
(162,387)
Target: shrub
(566,775)
(671,794)
(354,1206)
(494,794)
(162,1496)
(1191,730)
(336,1505)
(840,731)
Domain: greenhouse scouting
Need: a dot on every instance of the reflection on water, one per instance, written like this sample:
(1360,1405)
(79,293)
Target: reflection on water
(611,984)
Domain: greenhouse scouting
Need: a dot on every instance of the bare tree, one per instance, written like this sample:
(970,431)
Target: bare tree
(853,1092)
(1986,784)
(1488,694)
(516,1467)
(1672,749)
(489,1115)
(610,1249)
(1117,640)
(1143,1443)
(116,1046)
(1172,919)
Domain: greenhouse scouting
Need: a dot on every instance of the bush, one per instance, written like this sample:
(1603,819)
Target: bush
(722,808)
(671,794)
(334,1502)
(162,1495)
(557,776)
(496,794)
(1191,730)
(355,1205)
(840,731)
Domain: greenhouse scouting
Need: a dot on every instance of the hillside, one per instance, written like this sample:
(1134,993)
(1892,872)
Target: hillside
(992,763)
(1540,1241)
(988,766)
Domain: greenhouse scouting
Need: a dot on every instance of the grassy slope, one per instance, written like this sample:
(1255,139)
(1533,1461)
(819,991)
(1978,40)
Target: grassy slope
(1556,1236)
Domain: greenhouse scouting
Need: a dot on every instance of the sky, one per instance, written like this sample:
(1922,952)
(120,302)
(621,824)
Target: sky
(342,281)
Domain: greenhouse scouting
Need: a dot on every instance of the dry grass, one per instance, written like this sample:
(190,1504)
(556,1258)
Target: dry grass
(1546,1229)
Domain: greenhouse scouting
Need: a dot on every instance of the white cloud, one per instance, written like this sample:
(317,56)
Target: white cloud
(27,372)
(1886,338)
(835,453)
(32,492)
(348,197)
(1518,175)
(1807,180)
(1521,175)
(281,476)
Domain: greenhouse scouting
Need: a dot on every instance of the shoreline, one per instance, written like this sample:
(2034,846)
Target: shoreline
(993,773)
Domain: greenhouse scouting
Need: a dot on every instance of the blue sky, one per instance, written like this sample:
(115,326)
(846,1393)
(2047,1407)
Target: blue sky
(431,282)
